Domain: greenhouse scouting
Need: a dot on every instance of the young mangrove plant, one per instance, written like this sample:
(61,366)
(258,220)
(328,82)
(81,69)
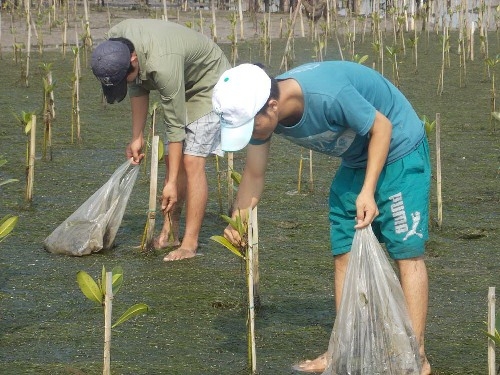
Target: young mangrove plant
(233,38)
(28,121)
(491,62)
(246,226)
(75,96)
(8,222)
(49,112)
(102,293)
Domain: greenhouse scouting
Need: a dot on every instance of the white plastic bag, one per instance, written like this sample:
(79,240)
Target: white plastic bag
(94,224)
(372,333)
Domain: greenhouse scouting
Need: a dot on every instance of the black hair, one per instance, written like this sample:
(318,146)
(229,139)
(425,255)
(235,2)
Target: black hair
(130,46)
(274,93)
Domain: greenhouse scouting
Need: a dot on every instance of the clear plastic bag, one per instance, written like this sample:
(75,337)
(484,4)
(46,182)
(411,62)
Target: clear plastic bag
(372,333)
(93,226)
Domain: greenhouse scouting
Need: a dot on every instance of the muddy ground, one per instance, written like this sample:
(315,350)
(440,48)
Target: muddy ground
(196,324)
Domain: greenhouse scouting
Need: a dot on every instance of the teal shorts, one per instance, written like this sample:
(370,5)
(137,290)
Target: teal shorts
(402,197)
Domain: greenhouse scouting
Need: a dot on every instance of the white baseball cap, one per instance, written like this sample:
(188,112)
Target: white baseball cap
(238,96)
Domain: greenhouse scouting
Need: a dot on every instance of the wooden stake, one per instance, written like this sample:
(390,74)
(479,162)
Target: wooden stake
(491,331)
(28,45)
(255,254)
(219,184)
(153,188)
(240,13)
(299,180)
(108,307)
(230,183)
(165,13)
(311,178)
(284,60)
(214,22)
(438,171)
(250,284)
(31,160)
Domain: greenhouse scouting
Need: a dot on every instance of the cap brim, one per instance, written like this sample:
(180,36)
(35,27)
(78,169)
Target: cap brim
(115,93)
(235,139)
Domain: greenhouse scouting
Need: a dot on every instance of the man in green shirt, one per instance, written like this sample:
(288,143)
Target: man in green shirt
(183,66)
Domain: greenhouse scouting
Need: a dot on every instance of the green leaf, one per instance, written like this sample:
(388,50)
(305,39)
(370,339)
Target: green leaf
(8,181)
(117,279)
(89,287)
(161,150)
(495,337)
(102,281)
(228,245)
(236,177)
(7,224)
(131,312)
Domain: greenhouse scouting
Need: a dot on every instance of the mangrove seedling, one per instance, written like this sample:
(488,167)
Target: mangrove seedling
(28,121)
(245,225)
(48,109)
(428,125)
(8,222)
(102,293)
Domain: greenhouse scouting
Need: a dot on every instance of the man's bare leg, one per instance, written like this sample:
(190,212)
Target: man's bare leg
(415,284)
(196,202)
(318,364)
(169,235)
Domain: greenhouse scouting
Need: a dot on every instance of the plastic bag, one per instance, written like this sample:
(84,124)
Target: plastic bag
(94,224)
(372,333)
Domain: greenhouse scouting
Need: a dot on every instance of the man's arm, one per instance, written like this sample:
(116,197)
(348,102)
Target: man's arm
(139,106)
(378,149)
(251,185)
(169,194)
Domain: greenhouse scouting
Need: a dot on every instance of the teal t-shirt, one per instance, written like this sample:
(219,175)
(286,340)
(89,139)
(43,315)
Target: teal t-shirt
(340,100)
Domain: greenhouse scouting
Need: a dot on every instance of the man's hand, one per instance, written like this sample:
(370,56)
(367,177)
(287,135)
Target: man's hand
(232,235)
(366,210)
(169,197)
(134,150)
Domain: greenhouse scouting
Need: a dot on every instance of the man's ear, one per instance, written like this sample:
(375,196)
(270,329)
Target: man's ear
(273,104)
(133,57)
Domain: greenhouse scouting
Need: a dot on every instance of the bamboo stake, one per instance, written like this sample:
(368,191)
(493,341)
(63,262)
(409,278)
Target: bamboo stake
(31,161)
(284,60)
(219,184)
(299,180)
(153,188)
(311,178)
(230,183)
(214,22)
(255,253)
(438,171)
(165,13)
(491,331)
(64,37)
(240,13)
(108,307)
(250,284)
(76,92)
(28,45)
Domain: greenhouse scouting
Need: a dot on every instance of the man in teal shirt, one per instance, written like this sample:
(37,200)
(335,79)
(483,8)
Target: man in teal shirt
(347,110)
(183,66)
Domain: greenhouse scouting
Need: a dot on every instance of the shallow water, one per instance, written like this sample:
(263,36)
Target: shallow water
(197,320)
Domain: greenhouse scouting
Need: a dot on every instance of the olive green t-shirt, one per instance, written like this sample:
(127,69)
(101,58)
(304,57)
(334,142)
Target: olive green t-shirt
(182,64)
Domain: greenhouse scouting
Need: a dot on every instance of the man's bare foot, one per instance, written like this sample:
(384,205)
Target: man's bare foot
(179,254)
(426,368)
(162,242)
(317,365)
